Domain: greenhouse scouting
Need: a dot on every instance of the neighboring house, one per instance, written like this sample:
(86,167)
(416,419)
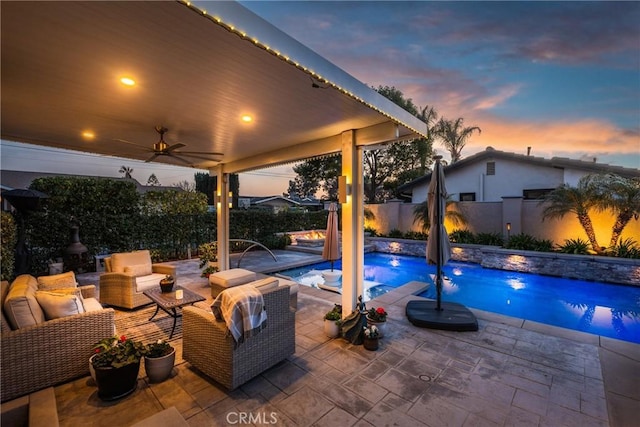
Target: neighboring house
(278,203)
(492,175)
(10,180)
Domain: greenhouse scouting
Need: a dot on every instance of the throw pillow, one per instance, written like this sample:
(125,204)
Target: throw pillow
(139,270)
(266,284)
(57,281)
(56,305)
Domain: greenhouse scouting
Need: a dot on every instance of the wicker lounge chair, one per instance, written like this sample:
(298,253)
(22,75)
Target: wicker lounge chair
(209,348)
(127,275)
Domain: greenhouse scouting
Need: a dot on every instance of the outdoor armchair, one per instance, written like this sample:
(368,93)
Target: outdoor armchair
(209,347)
(127,275)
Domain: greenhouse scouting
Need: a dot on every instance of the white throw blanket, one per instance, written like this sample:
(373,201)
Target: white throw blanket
(242,309)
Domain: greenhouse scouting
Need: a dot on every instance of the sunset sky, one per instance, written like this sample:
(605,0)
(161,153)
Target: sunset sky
(560,77)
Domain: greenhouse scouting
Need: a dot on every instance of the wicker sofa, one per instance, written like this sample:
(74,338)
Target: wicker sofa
(52,351)
(127,275)
(209,348)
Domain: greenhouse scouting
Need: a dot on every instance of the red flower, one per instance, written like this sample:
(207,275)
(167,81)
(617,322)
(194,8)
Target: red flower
(96,350)
(380,310)
(123,338)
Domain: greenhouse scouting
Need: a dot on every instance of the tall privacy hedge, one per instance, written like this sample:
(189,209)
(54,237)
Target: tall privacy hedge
(113,217)
(9,238)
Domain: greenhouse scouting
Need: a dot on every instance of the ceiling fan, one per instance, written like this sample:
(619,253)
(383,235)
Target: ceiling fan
(161,148)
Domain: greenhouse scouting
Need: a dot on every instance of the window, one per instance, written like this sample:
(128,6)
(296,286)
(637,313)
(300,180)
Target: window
(467,197)
(536,194)
(491,168)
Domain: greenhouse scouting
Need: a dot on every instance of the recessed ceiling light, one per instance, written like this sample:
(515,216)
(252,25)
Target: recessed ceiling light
(247,118)
(127,81)
(87,134)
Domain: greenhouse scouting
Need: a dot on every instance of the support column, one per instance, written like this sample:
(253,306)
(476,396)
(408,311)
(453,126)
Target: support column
(352,224)
(222,216)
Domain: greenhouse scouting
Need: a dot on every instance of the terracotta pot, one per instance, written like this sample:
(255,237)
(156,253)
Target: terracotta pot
(158,369)
(116,383)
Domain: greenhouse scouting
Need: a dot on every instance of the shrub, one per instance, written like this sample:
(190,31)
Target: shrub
(575,246)
(490,239)
(372,231)
(627,248)
(527,242)
(416,235)
(9,237)
(396,234)
(462,236)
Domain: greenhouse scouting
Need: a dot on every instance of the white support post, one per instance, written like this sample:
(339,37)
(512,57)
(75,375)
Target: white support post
(222,216)
(352,225)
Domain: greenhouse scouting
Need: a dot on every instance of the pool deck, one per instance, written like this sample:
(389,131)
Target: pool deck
(510,372)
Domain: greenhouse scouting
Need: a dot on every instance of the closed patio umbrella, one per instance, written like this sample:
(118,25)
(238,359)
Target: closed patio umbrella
(449,316)
(438,245)
(331,249)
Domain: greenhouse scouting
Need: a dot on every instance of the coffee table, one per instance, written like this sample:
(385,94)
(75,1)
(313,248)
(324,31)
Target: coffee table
(168,303)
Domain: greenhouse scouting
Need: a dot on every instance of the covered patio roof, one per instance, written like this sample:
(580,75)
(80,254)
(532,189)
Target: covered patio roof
(197,72)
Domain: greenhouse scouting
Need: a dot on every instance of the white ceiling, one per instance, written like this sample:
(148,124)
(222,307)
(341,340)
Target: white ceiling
(61,62)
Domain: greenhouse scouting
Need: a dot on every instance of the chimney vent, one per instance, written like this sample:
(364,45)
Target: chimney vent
(528,151)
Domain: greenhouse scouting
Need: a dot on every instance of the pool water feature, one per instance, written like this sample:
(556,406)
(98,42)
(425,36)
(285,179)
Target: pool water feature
(598,308)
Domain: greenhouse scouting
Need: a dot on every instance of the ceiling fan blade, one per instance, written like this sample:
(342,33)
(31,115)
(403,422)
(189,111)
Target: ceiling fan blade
(193,156)
(150,159)
(174,147)
(203,153)
(180,159)
(133,143)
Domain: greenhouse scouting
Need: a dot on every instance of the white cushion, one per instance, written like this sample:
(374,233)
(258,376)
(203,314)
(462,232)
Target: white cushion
(149,282)
(57,281)
(121,260)
(232,277)
(56,305)
(91,304)
(139,269)
(264,285)
(20,305)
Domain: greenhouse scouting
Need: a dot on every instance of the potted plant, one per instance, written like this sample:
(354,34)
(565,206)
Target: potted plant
(377,317)
(371,336)
(332,321)
(116,363)
(166,284)
(208,253)
(158,360)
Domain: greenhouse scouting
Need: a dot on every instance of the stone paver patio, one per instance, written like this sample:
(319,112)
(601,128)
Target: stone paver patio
(509,373)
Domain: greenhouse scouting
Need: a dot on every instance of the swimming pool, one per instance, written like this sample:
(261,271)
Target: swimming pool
(597,308)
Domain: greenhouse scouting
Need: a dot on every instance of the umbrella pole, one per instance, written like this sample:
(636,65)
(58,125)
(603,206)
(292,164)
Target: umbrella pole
(438,239)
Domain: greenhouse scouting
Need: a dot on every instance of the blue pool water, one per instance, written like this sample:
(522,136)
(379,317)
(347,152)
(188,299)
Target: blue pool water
(597,308)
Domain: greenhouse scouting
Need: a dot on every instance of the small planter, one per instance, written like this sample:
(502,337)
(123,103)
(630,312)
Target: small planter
(166,285)
(331,328)
(116,383)
(370,343)
(158,369)
(382,326)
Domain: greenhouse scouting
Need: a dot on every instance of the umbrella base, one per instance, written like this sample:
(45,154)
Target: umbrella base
(452,317)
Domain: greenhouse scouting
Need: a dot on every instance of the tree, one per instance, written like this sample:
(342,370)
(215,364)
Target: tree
(429,116)
(126,170)
(578,200)
(455,136)
(185,185)
(206,184)
(622,196)
(421,214)
(314,175)
(153,180)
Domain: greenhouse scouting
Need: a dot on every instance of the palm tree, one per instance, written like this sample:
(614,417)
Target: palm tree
(622,196)
(126,170)
(421,214)
(454,136)
(578,200)
(429,116)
